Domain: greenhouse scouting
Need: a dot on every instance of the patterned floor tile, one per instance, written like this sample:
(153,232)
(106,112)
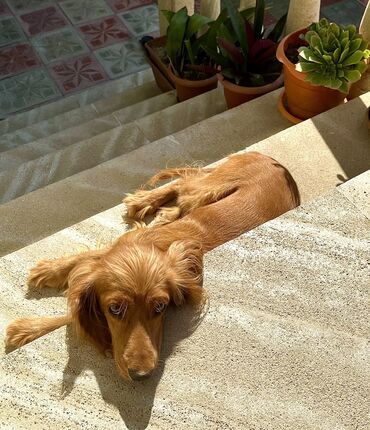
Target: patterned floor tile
(104,32)
(17,59)
(78,73)
(123,5)
(344,12)
(122,58)
(4,10)
(43,20)
(59,44)
(142,20)
(21,6)
(85,10)
(10,31)
(26,90)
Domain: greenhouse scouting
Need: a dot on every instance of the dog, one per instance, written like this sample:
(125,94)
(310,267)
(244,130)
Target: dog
(118,296)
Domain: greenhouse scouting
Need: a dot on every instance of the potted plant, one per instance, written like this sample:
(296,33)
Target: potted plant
(191,68)
(247,54)
(320,63)
(158,60)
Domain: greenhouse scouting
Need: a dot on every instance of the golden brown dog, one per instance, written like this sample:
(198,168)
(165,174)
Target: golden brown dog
(118,296)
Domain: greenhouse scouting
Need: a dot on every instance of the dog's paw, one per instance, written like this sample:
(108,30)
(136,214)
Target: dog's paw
(139,204)
(44,274)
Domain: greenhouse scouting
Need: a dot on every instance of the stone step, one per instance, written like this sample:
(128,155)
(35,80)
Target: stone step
(66,120)
(285,331)
(79,148)
(49,110)
(104,185)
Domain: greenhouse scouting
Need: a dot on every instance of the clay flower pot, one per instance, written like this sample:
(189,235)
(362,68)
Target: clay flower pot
(303,99)
(160,69)
(187,89)
(235,95)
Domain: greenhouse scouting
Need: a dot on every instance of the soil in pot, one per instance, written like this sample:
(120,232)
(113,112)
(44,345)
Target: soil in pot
(303,99)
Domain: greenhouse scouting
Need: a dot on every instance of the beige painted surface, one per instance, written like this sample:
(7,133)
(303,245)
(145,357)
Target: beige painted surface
(282,345)
(301,14)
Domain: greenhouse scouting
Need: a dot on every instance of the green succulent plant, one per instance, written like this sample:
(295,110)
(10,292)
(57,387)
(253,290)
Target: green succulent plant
(334,57)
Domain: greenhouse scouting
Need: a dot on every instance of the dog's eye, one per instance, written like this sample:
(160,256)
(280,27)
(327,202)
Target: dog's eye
(118,310)
(159,307)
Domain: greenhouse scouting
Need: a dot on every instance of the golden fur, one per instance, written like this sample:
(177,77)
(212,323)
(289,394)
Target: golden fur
(117,296)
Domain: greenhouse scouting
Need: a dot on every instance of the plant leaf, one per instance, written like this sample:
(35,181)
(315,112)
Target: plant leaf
(232,50)
(196,23)
(258,19)
(237,22)
(354,58)
(168,14)
(277,31)
(175,38)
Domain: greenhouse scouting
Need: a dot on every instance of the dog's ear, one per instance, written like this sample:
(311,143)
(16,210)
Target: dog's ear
(84,304)
(186,272)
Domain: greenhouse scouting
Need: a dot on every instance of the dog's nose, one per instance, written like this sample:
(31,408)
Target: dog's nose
(138,375)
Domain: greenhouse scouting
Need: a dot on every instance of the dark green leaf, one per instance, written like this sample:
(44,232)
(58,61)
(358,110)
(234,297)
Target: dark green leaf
(237,22)
(277,31)
(258,19)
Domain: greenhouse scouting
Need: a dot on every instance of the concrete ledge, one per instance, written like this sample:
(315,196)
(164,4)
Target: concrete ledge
(283,344)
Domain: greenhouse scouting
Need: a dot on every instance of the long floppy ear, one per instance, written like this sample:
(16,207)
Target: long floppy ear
(186,271)
(83,301)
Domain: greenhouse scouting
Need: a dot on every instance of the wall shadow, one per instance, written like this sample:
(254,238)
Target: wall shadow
(351,150)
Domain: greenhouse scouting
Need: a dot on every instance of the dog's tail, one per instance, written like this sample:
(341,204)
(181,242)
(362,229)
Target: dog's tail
(180,172)
(25,330)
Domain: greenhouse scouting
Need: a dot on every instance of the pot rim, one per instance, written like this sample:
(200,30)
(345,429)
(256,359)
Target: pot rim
(280,53)
(189,82)
(251,90)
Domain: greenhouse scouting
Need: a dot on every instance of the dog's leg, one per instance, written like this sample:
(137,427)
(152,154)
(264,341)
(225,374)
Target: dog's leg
(25,330)
(166,215)
(147,202)
(54,273)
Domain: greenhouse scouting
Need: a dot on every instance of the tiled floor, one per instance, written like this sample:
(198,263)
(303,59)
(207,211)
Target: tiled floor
(52,48)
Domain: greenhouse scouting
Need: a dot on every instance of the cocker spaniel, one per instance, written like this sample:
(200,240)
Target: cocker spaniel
(118,296)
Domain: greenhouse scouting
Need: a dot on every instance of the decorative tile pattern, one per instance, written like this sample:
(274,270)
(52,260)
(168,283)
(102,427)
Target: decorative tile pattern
(78,73)
(142,20)
(104,32)
(4,10)
(123,5)
(85,10)
(10,31)
(43,20)
(17,59)
(21,6)
(59,44)
(122,58)
(343,12)
(25,90)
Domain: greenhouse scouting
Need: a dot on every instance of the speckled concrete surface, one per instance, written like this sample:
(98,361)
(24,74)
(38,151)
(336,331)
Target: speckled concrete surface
(282,344)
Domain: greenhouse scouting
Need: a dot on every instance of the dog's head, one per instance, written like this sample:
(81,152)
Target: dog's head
(119,300)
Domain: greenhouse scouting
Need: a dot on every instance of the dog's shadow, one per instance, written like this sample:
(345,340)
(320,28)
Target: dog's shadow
(134,400)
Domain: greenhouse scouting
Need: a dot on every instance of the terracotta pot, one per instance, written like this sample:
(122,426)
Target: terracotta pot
(282,106)
(303,99)
(160,69)
(187,89)
(235,95)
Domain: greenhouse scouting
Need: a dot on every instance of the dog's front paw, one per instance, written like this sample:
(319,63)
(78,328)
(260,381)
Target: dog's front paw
(139,205)
(45,274)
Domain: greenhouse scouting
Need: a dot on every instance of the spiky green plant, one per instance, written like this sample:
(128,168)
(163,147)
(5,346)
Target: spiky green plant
(334,57)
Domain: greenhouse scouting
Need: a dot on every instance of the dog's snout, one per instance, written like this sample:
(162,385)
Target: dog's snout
(138,375)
